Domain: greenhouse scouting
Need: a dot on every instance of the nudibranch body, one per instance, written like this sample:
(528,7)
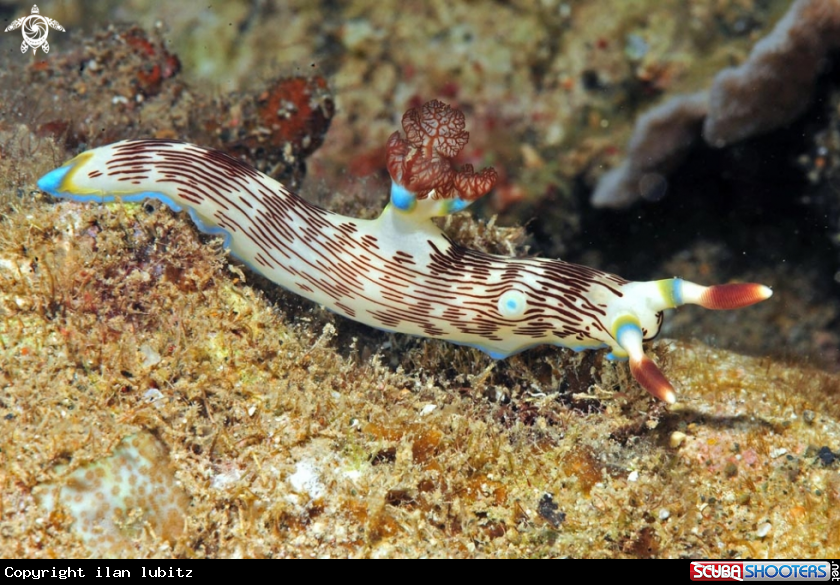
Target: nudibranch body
(399,272)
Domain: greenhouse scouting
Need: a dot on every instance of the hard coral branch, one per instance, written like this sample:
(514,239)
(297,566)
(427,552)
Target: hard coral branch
(422,161)
(661,140)
(768,90)
(774,85)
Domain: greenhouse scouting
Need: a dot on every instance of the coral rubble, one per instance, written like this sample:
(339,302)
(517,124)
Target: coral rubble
(123,82)
(113,500)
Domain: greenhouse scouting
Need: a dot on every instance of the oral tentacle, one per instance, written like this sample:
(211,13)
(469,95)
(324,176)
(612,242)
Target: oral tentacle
(628,334)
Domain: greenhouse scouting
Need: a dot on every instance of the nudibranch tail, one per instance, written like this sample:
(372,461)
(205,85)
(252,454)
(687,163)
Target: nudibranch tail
(399,272)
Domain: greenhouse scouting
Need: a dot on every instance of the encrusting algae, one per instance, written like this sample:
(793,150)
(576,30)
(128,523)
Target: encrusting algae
(291,439)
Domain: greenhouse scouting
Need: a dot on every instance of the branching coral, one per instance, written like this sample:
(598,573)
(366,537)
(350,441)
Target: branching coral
(661,140)
(768,90)
(774,85)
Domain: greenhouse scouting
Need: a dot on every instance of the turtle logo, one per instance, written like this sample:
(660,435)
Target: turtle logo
(35,29)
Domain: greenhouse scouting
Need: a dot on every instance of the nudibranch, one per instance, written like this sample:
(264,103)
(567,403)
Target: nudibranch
(399,272)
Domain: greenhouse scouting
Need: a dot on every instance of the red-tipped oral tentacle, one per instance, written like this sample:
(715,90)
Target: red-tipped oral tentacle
(629,336)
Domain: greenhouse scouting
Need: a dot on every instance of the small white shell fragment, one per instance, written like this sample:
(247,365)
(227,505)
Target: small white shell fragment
(676,440)
(306,480)
(152,395)
(150,356)
(428,409)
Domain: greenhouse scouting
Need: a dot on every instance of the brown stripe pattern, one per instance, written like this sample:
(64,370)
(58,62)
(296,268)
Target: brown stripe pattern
(388,273)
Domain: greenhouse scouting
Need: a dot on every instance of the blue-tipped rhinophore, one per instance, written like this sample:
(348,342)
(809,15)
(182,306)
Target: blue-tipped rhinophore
(402,198)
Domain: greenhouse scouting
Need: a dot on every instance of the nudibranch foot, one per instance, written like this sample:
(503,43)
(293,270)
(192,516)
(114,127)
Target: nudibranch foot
(399,272)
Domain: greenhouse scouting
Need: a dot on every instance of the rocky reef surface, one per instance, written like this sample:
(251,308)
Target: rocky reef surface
(132,345)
